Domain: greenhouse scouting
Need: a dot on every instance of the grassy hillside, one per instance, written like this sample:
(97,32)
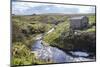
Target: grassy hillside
(26,28)
(65,38)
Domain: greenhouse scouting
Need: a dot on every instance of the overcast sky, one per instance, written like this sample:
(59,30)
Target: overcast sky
(28,8)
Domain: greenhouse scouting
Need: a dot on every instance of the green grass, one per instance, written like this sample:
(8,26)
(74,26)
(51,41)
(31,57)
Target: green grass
(51,37)
(92,29)
(26,28)
(92,19)
(21,54)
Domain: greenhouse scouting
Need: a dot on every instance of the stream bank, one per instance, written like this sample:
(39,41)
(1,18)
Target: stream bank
(53,54)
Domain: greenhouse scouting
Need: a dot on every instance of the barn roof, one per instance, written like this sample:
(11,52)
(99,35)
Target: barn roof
(79,17)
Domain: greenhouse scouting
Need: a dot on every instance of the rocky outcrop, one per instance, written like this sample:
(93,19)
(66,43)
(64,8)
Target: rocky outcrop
(77,41)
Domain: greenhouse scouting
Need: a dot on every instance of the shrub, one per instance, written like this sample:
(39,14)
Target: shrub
(21,54)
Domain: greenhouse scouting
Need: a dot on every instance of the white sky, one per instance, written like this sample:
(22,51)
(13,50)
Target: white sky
(22,7)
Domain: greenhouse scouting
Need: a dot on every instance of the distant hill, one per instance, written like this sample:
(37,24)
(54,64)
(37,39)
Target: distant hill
(52,14)
(82,14)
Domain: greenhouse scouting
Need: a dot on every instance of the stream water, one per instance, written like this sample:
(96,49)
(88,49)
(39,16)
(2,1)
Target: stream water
(56,55)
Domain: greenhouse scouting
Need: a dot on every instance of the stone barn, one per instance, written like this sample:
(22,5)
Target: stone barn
(79,22)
